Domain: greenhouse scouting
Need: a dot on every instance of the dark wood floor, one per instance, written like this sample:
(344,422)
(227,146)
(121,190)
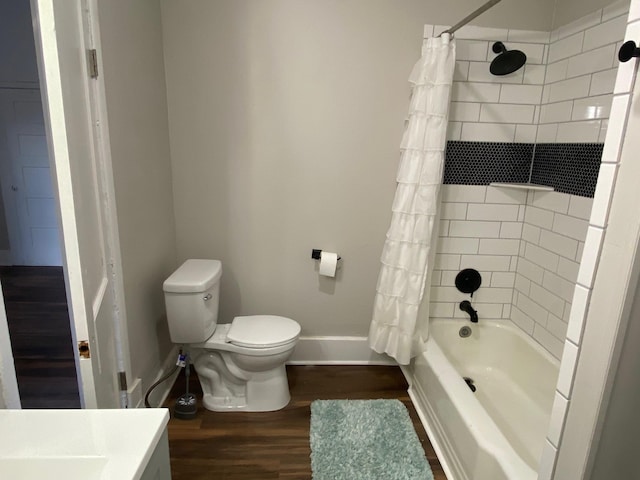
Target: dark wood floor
(40,333)
(275,445)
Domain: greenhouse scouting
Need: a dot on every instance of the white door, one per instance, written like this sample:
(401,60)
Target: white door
(80,173)
(26,180)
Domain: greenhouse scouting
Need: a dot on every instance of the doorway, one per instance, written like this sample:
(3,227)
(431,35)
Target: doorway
(31,272)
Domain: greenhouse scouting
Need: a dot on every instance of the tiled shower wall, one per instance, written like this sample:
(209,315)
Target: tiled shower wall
(527,245)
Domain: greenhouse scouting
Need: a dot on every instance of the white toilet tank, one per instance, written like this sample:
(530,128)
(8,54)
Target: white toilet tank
(191,295)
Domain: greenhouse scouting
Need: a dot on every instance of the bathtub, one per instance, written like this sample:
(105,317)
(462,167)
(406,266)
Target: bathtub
(496,433)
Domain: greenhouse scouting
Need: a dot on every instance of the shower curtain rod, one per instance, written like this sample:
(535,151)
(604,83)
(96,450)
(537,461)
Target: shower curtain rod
(472,15)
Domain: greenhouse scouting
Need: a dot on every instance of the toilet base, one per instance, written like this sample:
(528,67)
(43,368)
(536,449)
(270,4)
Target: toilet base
(265,391)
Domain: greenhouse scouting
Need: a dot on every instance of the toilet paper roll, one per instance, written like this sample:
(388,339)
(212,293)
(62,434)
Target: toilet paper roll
(328,264)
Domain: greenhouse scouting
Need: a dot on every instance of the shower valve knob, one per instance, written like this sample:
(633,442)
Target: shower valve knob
(628,50)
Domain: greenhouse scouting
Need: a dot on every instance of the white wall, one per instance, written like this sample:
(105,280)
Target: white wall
(137,111)
(285,121)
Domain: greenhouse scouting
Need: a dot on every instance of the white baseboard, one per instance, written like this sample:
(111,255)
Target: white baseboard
(5,257)
(161,392)
(337,351)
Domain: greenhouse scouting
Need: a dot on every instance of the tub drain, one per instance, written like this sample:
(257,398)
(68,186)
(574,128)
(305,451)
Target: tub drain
(470,383)
(465,332)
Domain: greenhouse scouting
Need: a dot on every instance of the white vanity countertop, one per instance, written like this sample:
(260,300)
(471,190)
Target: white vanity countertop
(79,444)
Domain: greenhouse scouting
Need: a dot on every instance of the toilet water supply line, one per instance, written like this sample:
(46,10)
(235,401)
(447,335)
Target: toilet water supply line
(181,362)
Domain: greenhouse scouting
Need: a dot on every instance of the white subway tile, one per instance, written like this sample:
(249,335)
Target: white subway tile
(580,207)
(603,82)
(479,72)
(556,423)
(486,311)
(521,211)
(556,71)
(530,270)
(526,133)
(495,263)
(493,295)
(616,128)
(611,31)
(627,70)
(552,303)
(453,211)
(615,10)
(541,257)
(555,201)
(566,47)
(448,278)
(538,217)
(441,309)
(557,327)
(568,269)
(547,133)
(563,246)
(506,310)
(585,131)
(492,212)
(579,24)
(531,233)
(604,124)
(464,111)
(490,246)
(522,284)
(454,130)
(446,294)
(547,340)
(474,229)
(602,197)
(503,279)
(580,251)
(446,262)
(579,305)
(472,50)
(528,36)
(511,230)
(559,286)
(436,276)
(522,320)
(488,132)
(556,112)
(591,61)
(458,245)
(547,462)
(569,89)
(590,255)
(570,226)
(506,113)
(475,92)
(592,108)
(521,94)
(533,51)
(461,71)
(567,367)
(443,228)
(471,32)
(534,74)
(532,309)
(463,193)
(634,11)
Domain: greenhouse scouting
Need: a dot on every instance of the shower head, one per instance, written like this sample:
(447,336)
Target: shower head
(508,61)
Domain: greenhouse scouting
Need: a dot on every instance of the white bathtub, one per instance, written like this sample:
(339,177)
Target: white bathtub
(496,433)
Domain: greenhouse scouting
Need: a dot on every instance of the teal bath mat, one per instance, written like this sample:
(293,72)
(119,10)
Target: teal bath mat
(365,440)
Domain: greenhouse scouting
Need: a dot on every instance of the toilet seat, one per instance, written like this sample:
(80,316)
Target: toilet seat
(262,331)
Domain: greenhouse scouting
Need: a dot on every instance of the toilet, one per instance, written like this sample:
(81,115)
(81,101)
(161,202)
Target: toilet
(240,365)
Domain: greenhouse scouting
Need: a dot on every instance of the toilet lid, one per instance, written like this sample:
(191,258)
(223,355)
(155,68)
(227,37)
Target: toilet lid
(260,331)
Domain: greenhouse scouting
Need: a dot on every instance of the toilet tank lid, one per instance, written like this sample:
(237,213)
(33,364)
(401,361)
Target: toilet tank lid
(193,276)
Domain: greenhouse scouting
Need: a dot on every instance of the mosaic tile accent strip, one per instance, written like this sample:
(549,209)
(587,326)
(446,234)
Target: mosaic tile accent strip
(480,163)
(568,167)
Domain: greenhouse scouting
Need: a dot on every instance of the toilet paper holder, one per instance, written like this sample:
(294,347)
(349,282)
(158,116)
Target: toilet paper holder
(316,254)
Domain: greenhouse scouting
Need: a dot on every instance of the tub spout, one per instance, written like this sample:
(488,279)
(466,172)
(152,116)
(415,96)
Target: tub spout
(465,306)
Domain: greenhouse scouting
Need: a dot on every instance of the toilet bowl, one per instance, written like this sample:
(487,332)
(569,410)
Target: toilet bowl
(240,365)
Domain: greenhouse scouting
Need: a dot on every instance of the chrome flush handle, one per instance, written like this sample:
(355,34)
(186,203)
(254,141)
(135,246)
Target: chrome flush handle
(207,297)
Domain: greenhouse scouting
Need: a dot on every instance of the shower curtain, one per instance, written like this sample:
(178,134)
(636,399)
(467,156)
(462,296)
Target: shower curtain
(409,249)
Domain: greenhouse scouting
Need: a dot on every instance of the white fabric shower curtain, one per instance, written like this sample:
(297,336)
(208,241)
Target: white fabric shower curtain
(409,249)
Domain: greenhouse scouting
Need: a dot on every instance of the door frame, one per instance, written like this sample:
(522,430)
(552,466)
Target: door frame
(42,11)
